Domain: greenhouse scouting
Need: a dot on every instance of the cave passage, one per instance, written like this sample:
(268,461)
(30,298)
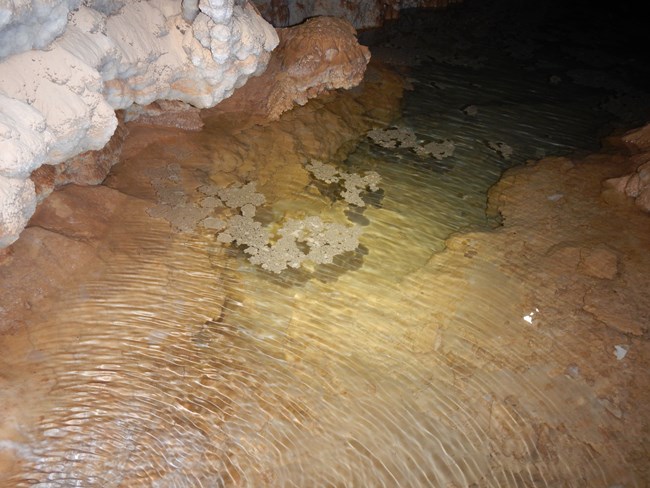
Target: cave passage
(432,354)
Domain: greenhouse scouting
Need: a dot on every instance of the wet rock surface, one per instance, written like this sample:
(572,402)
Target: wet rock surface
(516,356)
(105,241)
(636,184)
(312,58)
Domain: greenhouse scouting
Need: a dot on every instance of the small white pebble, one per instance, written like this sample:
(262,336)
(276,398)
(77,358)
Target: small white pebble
(620,351)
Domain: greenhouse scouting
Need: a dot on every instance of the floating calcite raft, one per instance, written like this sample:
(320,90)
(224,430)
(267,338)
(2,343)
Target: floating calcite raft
(405,138)
(286,248)
(231,211)
(243,196)
(501,148)
(309,239)
(60,102)
(353,185)
(438,149)
(294,241)
(174,205)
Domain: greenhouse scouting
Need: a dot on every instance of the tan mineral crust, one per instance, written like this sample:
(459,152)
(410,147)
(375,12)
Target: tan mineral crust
(564,281)
(312,58)
(635,184)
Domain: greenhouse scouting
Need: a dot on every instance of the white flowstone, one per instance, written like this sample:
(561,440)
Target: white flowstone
(17,204)
(32,24)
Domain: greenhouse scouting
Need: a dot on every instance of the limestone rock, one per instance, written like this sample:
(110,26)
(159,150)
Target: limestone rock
(615,309)
(79,212)
(68,231)
(594,262)
(17,204)
(639,138)
(312,58)
(166,113)
(635,185)
(60,102)
(24,285)
(89,168)
(32,25)
(62,239)
(598,263)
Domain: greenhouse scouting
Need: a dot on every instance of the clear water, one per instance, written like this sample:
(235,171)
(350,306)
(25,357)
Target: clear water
(179,364)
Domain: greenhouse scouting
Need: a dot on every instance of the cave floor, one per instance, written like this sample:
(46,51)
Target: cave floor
(466,342)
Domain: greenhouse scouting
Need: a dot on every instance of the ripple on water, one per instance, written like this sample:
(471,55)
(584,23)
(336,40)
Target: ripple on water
(184,365)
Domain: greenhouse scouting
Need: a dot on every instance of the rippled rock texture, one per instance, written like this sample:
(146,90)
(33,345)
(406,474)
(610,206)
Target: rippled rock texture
(159,357)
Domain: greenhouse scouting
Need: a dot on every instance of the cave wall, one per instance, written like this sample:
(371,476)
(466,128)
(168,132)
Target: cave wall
(66,66)
(362,14)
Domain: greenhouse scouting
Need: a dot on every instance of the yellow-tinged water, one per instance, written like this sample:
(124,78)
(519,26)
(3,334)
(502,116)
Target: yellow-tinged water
(176,363)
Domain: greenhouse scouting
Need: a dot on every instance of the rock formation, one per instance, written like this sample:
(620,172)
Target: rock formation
(60,102)
(88,168)
(636,184)
(320,55)
(159,62)
(77,221)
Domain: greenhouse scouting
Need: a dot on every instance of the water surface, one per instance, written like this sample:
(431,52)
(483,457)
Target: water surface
(181,364)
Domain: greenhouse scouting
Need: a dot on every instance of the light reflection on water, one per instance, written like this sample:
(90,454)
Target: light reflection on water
(183,365)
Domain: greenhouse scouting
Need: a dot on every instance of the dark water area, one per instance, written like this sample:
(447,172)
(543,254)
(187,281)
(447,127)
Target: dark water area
(548,79)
